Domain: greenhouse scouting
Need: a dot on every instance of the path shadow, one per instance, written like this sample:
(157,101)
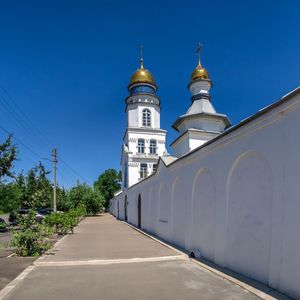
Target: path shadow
(254,283)
(249,281)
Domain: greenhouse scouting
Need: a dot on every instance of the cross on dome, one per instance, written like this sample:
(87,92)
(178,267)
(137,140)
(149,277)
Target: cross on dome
(200,46)
(199,72)
(142,76)
(141,57)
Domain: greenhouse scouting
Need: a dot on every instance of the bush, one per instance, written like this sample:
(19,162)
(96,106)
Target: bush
(31,239)
(3,227)
(60,222)
(64,223)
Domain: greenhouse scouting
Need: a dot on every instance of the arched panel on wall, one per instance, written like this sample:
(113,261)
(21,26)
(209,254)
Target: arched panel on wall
(139,212)
(153,194)
(250,193)
(179,211)
(125,208)
(118,203)
(146,209)
(164,204)
(204,214)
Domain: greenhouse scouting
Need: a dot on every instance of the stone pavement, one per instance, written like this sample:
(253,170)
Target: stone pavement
(107,259)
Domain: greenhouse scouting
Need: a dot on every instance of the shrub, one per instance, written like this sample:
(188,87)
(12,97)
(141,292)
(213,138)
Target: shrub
(31,239)
(3,227)
(64,223)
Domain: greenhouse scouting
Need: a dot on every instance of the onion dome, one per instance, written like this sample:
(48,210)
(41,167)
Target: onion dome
(142,76)
(199,72)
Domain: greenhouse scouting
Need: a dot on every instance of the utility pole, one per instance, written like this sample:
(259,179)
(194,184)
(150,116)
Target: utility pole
(54,179)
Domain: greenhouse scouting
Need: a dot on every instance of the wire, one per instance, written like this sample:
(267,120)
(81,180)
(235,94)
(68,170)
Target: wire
(68,166)
(24,122)
(38,155)
(19,141)
(20,113)
(13,115)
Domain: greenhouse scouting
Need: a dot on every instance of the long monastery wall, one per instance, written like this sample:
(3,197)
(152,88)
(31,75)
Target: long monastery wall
(236,199)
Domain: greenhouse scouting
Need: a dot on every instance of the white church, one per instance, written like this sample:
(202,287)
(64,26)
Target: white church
(228,194)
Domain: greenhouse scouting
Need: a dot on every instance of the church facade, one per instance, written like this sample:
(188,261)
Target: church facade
(144,140)
(228,194)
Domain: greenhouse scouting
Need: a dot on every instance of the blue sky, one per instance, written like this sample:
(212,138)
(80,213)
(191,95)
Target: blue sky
(66,66)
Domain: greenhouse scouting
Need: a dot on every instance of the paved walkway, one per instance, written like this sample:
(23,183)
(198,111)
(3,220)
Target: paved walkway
(107,259)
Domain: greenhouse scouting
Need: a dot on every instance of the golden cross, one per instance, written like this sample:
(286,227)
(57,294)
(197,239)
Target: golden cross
(198,53)
(141,57)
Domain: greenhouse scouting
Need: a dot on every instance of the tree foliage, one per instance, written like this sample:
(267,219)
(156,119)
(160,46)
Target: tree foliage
(31,238)
(9,197)
(84,194)
(8,154)
(35,188)
(108,183)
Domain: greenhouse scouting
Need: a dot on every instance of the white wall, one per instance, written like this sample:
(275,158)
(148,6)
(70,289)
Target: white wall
(236,199)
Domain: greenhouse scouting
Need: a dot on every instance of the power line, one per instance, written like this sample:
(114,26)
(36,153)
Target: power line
(42,158)
(21,114)
(20,118)
(75,172)
(13,115)
(19,141)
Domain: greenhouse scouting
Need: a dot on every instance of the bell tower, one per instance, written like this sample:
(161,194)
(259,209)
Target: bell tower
(201,122)
(144,140)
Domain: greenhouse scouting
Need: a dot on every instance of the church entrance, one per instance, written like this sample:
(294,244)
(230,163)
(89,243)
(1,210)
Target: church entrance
(125,208)
(139,212)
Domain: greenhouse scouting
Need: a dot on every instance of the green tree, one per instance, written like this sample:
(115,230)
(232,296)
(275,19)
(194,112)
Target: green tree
(35,188)
(9,197)
(108,183)
(84,194)
(63,199)
(8,154)
(8,192)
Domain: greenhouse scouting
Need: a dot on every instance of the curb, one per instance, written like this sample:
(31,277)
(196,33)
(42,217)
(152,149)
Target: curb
(104,262)
(55,245)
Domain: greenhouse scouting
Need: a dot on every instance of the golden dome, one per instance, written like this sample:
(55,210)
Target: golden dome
(199,73)
(142,75)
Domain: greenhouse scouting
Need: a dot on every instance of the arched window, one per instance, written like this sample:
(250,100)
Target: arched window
(146,117)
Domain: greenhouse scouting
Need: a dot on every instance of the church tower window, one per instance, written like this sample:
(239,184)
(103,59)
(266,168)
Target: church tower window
(154,168)
(141,146)
(143,171)
(153,146)
(146,117)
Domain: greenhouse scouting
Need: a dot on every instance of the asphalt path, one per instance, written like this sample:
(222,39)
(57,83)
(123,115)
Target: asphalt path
(107,259)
